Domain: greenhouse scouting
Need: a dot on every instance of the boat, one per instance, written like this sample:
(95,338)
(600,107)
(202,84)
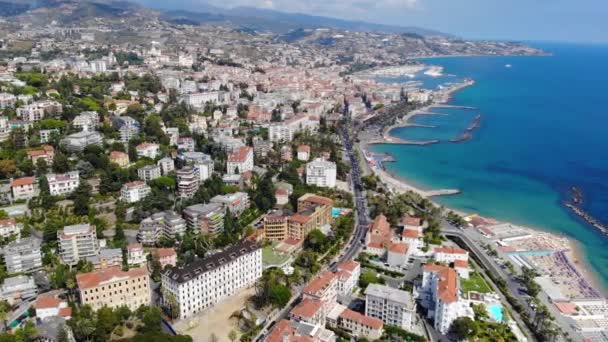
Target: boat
(508,65)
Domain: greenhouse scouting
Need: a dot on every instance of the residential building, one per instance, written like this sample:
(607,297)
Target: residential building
(23,256)
(449,254)
(412,234)
(77,142)
(108,257)
(149,172)
(293,331)
(321,173)
(204,169)
(397,254)
(392,306)
(439,293)
(166,256)
(324,288)
(186,144)
(77,242)
(379,236)
(120,158)
(166,165)
(303,152)
(360,326)
(112,287)
(18,288)
(236,202)
(134,192)
(348,273)
(205,282)
(309,311)
(167,223)
(23,188)
(9,227)
(63,184)
(147,150)
(39,110)
(45,152)
(136,255)
(314,212)
(241,160)
(188,181)
(285,131)
(48,306)
(7,100)
(46,134)
(86,121)
(206,218)
(5,130)
(128,127)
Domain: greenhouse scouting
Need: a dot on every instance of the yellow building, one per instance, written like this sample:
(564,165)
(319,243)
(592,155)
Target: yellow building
(113,287)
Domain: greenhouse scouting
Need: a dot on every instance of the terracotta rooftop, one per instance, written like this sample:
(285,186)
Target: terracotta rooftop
(447,285)
(411,233)
(299,218)
(450,250)
(380,226)
(23,181)
(240,155)
(349,265)
(567,308)
(461,263)
(164,252)
(411,221)
(94,279)
(316,200)
(307,308)
(47,302)
(134,184)
(400,248)
(367,321)
(284,332)
(134,245)
(8,222)
(319,283)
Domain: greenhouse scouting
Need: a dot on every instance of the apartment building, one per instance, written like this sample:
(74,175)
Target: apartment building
(166,256)
(7,100)
(77,242)
(86,121)
(348,273)
(439,293)
(360,326)
(46,134)
(112,287)
(205,282)
(321,173)
(324,288)
(285,131)
(236,202)
(449,254)
(63,184)
(188,182)
(314,212)
(166,165)
(23,256)
(134,192)
(9,227)
(390,305)
(127,127)
(148,172)
(240,160)
(206,218)
(39,110)
(136,255)
(77,142)
(167,223)
(119,158)
(147,150)
(294,331)
(23,188)
(18,288)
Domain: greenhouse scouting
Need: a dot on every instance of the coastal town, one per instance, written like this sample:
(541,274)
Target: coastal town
(164,180)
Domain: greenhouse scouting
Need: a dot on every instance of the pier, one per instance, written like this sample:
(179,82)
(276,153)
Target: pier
(456,107)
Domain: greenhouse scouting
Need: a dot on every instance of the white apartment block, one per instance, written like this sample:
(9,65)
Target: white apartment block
(39,110)
(391,306)
(166,165)
(205,282)
(9,227)
(5,130)
(78,141)
(241,160)
(46,134)
(7,100)
(448,254)
(167,223)
(23,188)
(134,192)
(86,121)
(149,172)
(285,131)
(321,173)
(77,242)
(348,276)
(63,184)
(439,293)
(148,150)
(188,182)
(23,256)
(236,202)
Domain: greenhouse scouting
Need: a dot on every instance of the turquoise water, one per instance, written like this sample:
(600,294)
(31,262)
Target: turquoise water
(495,311)
(543,130)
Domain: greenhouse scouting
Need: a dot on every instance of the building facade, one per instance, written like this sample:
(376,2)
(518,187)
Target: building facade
(77,242)
(112,287)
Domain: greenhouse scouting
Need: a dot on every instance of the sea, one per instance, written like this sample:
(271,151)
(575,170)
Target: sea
(543,130)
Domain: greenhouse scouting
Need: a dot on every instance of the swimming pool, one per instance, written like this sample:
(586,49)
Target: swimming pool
(495,311)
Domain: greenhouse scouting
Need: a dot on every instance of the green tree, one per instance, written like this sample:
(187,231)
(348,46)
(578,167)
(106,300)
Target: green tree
(463,328)
(61,164)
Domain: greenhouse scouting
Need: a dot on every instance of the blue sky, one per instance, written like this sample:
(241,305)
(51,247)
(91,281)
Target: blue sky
(559,20)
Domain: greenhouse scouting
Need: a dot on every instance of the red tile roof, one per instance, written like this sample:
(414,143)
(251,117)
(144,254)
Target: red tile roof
(65,312)
(411,233)
(164,252)
(349,265)
(400,248)
(240,155)
(284,332)
(93,279)
(367,321)
(299,218)
(308,308)
(447,286)
(8,222)
(461,263)
(450,250)
(23,181)
(411,221)
(47,302)
(319,283)
(566,308)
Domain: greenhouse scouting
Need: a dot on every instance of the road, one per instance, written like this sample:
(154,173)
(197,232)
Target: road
(352,247)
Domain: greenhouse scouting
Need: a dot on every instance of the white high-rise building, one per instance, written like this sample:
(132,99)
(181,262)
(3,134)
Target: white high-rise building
(391,306)
(205,282)
(23,256)
(148,172)
(86,121)
(63,184)
(321,173)
(134,192)
(77,242)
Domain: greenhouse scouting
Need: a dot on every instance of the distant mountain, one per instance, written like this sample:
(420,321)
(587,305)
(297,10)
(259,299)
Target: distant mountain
(70,11)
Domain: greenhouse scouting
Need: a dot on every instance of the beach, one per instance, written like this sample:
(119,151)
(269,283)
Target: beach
(566,267)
